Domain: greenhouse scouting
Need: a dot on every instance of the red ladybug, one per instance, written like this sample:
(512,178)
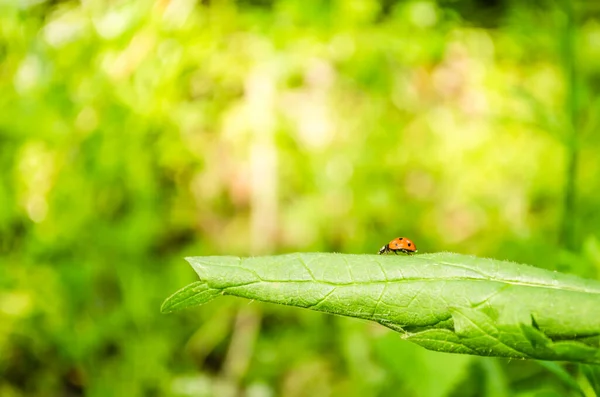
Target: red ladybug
(401,244)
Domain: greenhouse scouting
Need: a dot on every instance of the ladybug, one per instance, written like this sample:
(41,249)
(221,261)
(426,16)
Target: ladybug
(401,244)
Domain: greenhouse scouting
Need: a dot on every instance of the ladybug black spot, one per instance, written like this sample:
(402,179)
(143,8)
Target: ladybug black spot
(401,238)
(409,244)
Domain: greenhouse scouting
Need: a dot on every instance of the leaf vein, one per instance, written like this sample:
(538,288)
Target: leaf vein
(307,268)
(323,299)
(498,341)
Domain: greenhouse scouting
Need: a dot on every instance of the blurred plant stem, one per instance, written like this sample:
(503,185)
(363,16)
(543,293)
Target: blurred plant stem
(569,62)
(260,103)
(241,349)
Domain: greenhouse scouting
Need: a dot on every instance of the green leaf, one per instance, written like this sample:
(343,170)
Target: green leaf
(194,294)
(563,375)
(444,302)
(592,373)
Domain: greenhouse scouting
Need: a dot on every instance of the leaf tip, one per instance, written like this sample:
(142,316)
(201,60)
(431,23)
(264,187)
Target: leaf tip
(166,306)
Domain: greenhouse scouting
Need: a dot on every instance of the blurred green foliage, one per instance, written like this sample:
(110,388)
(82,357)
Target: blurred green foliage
(133,133)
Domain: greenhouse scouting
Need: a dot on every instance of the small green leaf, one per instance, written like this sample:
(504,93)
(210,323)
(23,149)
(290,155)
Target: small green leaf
(563,375)
(195,294)
(592,373)
(444,302)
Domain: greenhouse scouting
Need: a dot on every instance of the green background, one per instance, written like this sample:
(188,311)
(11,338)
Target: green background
(134,133)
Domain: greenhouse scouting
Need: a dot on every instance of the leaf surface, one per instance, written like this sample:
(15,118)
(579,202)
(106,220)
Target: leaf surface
(445,302)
